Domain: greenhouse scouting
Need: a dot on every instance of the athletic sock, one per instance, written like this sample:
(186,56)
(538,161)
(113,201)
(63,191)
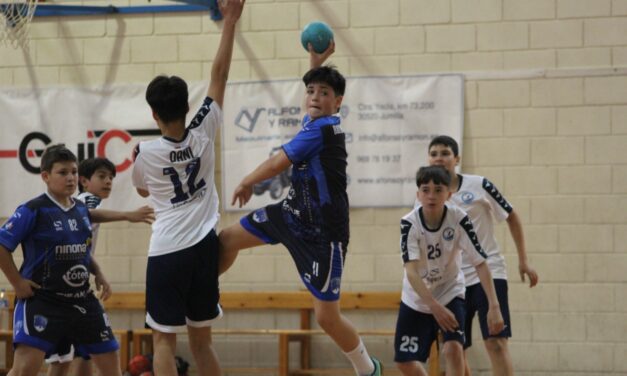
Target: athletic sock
(361,360)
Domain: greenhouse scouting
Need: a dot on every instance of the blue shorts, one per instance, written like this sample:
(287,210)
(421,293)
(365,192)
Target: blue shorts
(416,331)
(476,301)
(43,323)
(319,260)
(182,287)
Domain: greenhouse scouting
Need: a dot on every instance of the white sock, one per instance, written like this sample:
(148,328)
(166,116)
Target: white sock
(361,360)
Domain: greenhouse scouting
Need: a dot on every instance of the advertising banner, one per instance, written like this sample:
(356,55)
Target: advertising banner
(388,122)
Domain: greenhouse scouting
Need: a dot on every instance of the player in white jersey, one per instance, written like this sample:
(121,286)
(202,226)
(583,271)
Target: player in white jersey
(483,202)
(95,182)
(177,172)
(433,237)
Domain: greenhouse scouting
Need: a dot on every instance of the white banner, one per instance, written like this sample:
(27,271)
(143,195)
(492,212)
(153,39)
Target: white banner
(388,122)
(105,123)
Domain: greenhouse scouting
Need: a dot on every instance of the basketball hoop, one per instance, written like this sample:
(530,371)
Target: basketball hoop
(15,18)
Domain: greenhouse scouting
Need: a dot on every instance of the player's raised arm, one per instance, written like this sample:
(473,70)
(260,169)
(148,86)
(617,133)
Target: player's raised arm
(231,12)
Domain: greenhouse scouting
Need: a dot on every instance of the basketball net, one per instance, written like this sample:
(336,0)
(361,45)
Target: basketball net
(15,18)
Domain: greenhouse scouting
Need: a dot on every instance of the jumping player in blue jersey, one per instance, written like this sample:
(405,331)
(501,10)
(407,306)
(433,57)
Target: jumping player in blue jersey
(54,300)
(312,221)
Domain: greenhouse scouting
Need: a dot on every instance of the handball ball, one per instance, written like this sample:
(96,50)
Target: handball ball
(139,365)
(318,34)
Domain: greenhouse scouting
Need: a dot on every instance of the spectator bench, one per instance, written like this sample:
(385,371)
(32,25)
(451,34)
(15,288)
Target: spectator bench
(138,341)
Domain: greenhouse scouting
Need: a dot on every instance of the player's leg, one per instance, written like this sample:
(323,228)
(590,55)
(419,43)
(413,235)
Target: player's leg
(207,363)
(108,363)
(27,361)
(453,348)
(497,346)
(233,239)
(344,334)
(202,304)
(164,351)
(82,367)
(60,369)
(471,310)
(415,332)
(453,353)
(499,356)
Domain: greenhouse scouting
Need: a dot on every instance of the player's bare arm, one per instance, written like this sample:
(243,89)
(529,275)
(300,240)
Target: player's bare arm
(273,166)
(22,286)
(317,59)
(144,214)
(445,318)
(102,285)
(515,228)
(495,319)
(231,12)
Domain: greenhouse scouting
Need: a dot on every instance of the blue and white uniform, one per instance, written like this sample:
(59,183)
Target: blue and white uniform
(312,221)
(56,243)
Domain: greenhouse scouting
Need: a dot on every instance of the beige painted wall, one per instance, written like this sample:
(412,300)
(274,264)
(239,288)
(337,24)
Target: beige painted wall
(546,120)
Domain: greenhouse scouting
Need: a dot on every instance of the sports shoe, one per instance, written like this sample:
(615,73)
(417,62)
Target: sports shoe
(378,367)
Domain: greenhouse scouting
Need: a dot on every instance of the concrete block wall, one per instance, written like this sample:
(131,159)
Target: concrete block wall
(546,120)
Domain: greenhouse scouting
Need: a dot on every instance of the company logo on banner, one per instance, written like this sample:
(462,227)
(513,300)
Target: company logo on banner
(91,123)
(388,122)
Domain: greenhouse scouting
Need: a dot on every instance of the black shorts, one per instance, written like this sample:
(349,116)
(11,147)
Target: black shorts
(182,287)
(319,260)
(416,331)
(476,301)
(43,323)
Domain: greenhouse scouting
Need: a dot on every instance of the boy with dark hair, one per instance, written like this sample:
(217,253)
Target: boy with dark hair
(483,202)
(312,222)
(54,298)
(433,236)
(95,177)
(177,172)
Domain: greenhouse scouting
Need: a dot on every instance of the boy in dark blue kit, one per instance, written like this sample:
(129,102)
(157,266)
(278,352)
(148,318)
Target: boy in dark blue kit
(54,298)
(312,221)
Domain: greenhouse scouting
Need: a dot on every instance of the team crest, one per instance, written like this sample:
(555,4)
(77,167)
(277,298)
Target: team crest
(260,216)
(448,233)
(40,322)
(467,197)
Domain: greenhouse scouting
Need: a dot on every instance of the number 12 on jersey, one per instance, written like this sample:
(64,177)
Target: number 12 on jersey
(191,170)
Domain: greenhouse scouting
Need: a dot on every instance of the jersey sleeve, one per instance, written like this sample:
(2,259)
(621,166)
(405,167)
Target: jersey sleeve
(410,241)
(208,118)
(137,176)
(92,201)
(469,243)
(306,144)
(499,205)
(17,227)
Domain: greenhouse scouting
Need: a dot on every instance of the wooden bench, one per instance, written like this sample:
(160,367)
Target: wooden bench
(138,341)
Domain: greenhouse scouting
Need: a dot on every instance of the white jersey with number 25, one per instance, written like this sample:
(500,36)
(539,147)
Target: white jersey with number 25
(438,252)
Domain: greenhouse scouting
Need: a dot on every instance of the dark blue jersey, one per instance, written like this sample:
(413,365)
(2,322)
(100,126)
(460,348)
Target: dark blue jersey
(317,204)
(56,243)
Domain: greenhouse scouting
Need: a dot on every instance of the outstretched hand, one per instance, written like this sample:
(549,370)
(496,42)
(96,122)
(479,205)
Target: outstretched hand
(242,195)
(523,269)
(144,214)
(231,9)
(317,59)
